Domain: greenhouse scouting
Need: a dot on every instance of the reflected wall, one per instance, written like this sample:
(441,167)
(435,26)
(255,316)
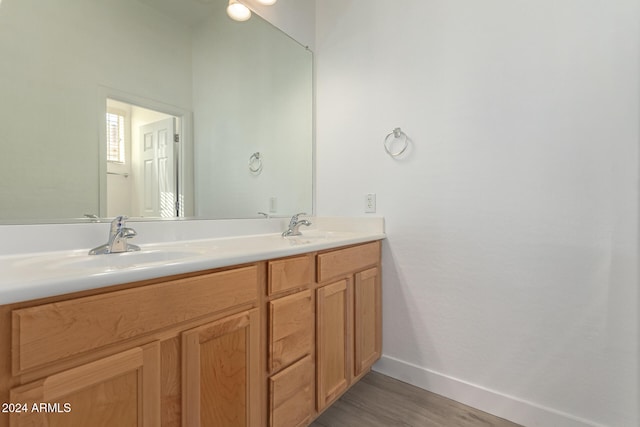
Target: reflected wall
(62,57)
(258,99)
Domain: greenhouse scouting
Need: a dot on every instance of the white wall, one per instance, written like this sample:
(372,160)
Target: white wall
(511,265)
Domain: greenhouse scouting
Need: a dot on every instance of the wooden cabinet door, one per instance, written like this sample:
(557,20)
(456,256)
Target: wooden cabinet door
(367,320)
(119,390)
(221,372)
(332,337)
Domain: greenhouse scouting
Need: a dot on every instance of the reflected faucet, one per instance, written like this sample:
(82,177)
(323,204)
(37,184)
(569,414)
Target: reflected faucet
(92,217)
(294,224)
(118,239)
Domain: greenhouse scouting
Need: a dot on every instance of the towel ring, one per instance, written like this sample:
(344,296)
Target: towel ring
(255,163)
(397,134)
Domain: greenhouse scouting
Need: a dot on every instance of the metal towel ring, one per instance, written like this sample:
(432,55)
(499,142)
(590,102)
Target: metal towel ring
(255,162)
(397,134)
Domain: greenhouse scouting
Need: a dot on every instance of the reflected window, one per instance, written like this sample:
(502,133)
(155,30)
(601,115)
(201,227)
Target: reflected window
(115,137)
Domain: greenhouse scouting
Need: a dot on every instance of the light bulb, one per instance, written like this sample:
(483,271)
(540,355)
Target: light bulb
(267,2)
(238,11)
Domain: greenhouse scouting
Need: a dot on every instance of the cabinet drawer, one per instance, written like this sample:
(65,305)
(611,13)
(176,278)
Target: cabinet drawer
(50,332)
(291,394)
(290,273)
(341,262)
(291,329)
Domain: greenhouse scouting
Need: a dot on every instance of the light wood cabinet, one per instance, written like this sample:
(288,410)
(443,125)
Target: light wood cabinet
(221,372)
(271,343)
(119,390)
(332,342)
(290,329)
(290,273)
(178,352)
(367,306)
(291,395)
(291,341)
(344,262)
(349,318)
(52,332)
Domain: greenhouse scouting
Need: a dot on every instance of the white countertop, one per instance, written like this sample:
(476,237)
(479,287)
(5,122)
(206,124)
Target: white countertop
(28,276)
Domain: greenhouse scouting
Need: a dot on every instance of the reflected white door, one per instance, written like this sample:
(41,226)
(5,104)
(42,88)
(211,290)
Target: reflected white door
(159,187)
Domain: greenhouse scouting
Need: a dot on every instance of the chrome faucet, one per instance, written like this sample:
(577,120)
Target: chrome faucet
(118,239)
(294,224)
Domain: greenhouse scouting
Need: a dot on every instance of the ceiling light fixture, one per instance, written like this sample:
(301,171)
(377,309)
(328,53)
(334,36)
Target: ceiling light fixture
(238,11)
(267,2)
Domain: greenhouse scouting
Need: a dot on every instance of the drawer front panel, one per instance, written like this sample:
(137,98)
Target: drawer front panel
(291,329)
(290,273)
(291,394)
(51,332)
(341,262)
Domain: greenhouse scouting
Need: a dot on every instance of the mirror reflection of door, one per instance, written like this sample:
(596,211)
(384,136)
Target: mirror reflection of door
(158,180)
(142,161)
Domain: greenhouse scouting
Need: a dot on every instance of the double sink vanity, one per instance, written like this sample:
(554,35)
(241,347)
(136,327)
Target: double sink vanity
(254,330)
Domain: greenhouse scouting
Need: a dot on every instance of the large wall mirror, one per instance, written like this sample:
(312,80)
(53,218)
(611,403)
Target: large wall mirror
(150,108)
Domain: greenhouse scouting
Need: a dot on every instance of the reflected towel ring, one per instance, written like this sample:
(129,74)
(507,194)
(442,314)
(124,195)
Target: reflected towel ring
(255,163)
(397,134)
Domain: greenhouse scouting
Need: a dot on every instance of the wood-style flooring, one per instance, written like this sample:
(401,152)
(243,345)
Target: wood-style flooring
(381,401)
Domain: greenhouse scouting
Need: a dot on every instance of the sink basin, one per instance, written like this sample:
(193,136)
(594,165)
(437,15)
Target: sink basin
(123,260)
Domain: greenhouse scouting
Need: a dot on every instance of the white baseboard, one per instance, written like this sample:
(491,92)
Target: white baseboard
(508,407)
